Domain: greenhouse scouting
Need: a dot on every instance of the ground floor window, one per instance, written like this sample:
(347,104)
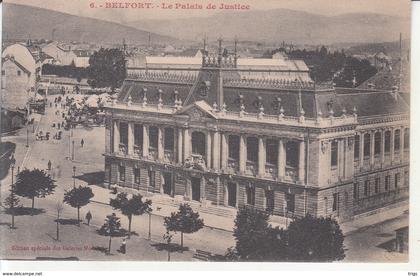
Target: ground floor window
(250,195)
(355,191)
(269,198)
(121,172)
(366,188)
(396,180)
(136,172)
(152,175)
(290,203)
(377,183)
(387,182)
(335,201)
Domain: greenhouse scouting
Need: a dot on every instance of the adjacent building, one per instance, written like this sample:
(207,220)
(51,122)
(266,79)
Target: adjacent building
(288,146)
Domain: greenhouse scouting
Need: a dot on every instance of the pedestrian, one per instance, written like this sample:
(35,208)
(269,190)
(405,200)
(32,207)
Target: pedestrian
(82,143)
(49,165)
(88,217)
(123,246)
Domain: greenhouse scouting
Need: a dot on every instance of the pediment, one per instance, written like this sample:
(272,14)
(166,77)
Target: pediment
(197,111)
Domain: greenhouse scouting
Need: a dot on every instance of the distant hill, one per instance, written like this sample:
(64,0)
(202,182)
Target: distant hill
(21,22)
(277,25)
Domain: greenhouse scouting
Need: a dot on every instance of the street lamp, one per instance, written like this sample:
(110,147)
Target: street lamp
(150,226)
(72,151)
(74,176)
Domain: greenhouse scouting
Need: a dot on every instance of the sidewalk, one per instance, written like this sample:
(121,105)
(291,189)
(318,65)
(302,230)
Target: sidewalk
(164,206)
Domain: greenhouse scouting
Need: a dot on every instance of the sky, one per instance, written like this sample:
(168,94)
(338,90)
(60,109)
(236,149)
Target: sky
(323,7)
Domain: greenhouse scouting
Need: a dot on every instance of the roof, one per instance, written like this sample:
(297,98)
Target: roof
(292,101)
(20,66)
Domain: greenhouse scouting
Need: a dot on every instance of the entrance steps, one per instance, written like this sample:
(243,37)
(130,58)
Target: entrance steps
(201,207)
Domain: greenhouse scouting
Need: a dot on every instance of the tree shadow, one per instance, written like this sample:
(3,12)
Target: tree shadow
(93,178)
(121,233)
(25,211)
(67,221)
(172,247)
(100,249)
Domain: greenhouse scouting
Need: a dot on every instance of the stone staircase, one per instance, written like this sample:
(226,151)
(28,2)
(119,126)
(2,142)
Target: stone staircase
(207,208)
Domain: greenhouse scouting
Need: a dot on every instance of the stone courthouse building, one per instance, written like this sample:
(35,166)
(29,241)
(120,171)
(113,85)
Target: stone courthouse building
(220,141)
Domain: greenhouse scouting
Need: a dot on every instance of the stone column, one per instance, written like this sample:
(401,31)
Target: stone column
(281,161)
(301,161)
(382,156)
(225,152)
(362,149)
(216,150)
(391,150)
(208,150)
(145,141)
(116,136)
(242,154)
(179,146)
(161,146)
(402,144)
(187,143)
(372,148)
(130,146)
(261,157)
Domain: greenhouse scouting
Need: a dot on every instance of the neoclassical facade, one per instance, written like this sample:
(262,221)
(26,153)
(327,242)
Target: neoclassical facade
(288,147)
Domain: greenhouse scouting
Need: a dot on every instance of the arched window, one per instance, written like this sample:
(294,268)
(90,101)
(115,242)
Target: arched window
(233,147)
(272,151)
(252,149)
(169,139)
(377,143)
(366,148)
(406,138)
(292,154)
(153,137)
(397,140)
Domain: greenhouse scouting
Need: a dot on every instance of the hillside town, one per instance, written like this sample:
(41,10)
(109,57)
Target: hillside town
(208,132)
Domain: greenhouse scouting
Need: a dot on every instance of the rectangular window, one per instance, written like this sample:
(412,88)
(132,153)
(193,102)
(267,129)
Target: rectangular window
(387,141)
(3,72)
(377,184)
(334,153)
(396,180)
(290,203)
(366,147)
(252,149)
(136,172)
(19,72)
(250,195)
(406,178)
(336,197)
(153,137)
(406,138)
(121,172)
(356,147)
(366,188)
(123,133)
(169,139)
(269,200)
(397,140)
(272,151)
(233,147)
(152,175)
(355,191)
(387,182)
(377,145)
(138,135)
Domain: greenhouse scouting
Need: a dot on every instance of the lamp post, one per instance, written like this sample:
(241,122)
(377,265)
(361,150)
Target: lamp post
(150,227)
(72,151)
(74,176)
(12,206)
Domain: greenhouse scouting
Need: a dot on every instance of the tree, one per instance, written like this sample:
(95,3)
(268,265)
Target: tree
(255,239)
(77,198)
(111,228)
(184,221)
(34,183)
(130,207)
(12,202)
(59,209)
(312,239)
(107,68)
